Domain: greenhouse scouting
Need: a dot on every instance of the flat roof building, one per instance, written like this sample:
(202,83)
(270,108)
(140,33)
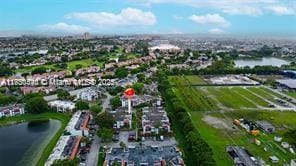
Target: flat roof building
(66,148)
(144,155)
(288,83)
(78,124)
(266,126)
(62,106)
(153,119)
(240,156)
(12,110)
(165,48)
(90,94)
(122,118)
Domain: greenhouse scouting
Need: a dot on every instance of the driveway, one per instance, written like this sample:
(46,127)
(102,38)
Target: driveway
(106,103)
(93,156)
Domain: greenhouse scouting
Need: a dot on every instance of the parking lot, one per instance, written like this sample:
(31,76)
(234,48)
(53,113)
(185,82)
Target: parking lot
(124,135)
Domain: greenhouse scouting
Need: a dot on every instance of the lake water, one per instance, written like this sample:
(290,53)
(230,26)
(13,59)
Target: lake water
(23,144)
(261,62)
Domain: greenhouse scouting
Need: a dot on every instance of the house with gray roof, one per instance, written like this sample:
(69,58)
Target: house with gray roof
(154,119)
(144,155)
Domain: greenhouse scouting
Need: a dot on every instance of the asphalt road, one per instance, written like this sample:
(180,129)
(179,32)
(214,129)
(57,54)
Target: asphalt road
(93,156)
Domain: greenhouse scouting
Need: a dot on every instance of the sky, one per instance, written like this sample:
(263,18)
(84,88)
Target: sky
(215,17)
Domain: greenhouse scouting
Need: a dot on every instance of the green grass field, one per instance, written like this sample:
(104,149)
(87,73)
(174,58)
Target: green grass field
(195,80)
(236,98)
(63,118)
(229,98)
(195,100)
(292,94)
(254,98)
(177,80)
(219,138)
(265,93)
(188,80)
(71,65)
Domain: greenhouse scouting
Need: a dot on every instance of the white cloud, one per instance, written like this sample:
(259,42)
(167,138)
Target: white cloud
(216,31)
(177,17)
(280,10)
(210,19)
(243,10)
(64,28)
(127,17)
(235,7)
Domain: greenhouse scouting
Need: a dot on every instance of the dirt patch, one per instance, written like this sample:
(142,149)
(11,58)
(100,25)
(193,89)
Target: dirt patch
(217,122)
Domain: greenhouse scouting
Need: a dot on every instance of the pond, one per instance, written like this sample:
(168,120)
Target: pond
(23,143)
(266,61)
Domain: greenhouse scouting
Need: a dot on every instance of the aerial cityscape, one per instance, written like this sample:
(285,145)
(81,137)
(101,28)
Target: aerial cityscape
(148,83)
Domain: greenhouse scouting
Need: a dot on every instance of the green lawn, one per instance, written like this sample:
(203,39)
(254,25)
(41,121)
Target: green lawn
(71,65)
(63,118)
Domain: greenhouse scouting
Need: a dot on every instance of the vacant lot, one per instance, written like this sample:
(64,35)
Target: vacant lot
(216,127)
(220,137)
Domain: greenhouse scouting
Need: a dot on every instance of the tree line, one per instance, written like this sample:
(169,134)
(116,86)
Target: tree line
(197,151)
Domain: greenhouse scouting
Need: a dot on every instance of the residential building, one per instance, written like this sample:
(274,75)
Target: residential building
(62,106)
(51,75)
(83,71)
(122,118)
(129,62)
(66,148)
(78,124)
(165,48)
(89,94)
(144,156)
(127,81)
(137,100)
(151,88)
(12,110)
(30,89)
(154,119)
